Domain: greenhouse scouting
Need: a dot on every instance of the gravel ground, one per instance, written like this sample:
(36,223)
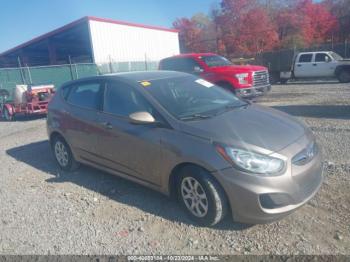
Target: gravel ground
(46,211)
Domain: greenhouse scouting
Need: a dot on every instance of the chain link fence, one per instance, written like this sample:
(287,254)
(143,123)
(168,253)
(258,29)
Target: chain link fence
(59,74)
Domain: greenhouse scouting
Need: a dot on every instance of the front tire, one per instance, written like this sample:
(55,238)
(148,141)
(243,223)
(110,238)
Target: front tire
(63,154)
(344,76)
(201,196)
(227,86)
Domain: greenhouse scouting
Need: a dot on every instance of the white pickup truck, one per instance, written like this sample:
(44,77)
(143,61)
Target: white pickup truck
(285,65)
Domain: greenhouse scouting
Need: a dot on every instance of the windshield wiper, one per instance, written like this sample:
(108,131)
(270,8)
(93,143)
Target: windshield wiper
(195,116)
(230,107)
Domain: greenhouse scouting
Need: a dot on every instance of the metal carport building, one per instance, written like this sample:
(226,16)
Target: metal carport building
(94,40)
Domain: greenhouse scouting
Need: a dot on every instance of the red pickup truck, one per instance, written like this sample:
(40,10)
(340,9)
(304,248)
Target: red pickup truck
(245,81)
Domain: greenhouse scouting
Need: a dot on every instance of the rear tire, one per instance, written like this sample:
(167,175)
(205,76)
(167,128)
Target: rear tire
(6,114)
(201,196)
(63,154)
(274,78)
(344,76)
(283,81)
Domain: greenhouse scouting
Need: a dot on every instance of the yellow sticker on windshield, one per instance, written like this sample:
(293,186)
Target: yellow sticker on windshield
(145,83)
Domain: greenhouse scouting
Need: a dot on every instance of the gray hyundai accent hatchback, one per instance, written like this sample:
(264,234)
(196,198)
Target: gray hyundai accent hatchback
(185,137)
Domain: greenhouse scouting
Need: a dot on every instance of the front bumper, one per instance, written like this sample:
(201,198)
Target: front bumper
(254,91)
(255,199)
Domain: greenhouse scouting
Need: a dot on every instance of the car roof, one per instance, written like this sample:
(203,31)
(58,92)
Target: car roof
(147,75)
(313,52)
(191,55)
(133,77)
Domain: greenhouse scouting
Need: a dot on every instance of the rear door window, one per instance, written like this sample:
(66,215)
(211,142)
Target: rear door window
(88,95)
(305,58)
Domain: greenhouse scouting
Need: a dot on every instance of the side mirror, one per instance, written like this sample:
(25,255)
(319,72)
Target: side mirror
(141,118)
(197,69)
(327,59)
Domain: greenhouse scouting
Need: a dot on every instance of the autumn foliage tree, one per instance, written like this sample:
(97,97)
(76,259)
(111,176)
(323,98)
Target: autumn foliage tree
(197,34)
(246,27)
(252,26)
(317,22)
(340,9)
(189,34)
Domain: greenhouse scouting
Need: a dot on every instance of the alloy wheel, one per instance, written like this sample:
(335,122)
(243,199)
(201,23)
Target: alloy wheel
(61,154)
(194,197)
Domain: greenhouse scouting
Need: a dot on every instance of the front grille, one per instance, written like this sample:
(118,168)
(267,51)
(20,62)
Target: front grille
(261,78)
(275,200)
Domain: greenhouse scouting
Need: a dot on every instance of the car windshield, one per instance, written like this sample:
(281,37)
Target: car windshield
(215,60)
(336,56)
(190,97)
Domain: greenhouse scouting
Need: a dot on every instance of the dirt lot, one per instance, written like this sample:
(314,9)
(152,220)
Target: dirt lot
(45,211)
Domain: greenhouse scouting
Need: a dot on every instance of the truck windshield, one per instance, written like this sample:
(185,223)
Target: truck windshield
(336,56)
(215,60)
(190,97)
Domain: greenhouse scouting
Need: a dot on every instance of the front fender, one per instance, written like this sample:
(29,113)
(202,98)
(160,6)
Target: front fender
(339,68)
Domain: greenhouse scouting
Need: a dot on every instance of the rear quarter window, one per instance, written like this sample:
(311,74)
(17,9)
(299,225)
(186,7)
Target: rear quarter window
(306,58)
(183,64)
(87,95)
(65,91)
(168,64)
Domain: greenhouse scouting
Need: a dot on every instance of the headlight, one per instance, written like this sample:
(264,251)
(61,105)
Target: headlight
(252,162)
(242,78)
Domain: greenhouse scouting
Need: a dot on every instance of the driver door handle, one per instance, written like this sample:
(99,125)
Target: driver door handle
(107,125)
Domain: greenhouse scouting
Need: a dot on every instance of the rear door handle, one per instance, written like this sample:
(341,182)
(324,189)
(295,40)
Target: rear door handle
(314,64)
(107,125)
(64,111)
(299,65)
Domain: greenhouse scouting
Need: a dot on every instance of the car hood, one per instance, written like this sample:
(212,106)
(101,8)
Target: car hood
(246,126)
(240,68)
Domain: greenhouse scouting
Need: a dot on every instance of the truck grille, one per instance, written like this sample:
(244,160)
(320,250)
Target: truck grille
(261,78)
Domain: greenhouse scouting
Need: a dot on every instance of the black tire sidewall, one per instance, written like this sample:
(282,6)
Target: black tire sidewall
(341,77)
(283,81)
(228,87)
(209,185)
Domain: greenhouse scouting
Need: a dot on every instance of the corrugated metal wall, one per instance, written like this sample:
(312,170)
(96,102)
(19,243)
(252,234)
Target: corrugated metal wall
(123,43)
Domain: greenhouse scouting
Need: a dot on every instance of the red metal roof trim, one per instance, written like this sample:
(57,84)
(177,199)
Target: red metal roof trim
(111,21)
(81,20)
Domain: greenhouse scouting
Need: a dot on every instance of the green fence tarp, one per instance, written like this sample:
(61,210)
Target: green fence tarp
(57,75)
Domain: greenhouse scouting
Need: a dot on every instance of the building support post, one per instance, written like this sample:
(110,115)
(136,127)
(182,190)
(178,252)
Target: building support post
(20,70)
(52,52)
(70,67)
